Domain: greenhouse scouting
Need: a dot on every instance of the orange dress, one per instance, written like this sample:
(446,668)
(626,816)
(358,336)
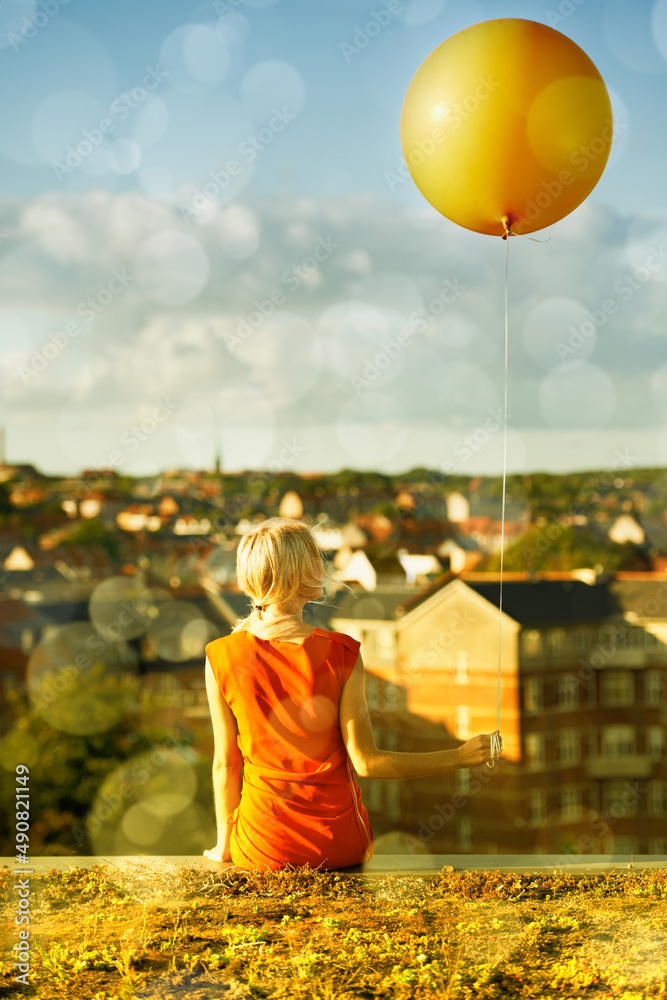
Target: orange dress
(300,803)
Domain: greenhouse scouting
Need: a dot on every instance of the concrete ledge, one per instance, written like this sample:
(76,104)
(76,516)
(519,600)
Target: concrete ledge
(417,865)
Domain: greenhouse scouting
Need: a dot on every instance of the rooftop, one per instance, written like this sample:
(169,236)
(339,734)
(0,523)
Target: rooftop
(559,598)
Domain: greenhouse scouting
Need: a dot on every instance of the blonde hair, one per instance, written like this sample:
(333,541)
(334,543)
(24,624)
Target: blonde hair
(275,562)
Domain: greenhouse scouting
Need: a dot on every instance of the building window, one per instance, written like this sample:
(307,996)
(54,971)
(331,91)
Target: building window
(568,687)
(463,722)
(538,805)
(581,640)
(570,802)
(615,636)
(618,800)
(392,697)
(535,750)
(657,845)
(390,739)
(556,641)
(591,691)
(656,798)
(533,695)
(594,798)
(655,742)
(568,746)
(372,692)
(625,845)
(461,667)
(617,688)
(650,640)
(592,741)
(636,637)
(654,688)
(465,834)
(385,643)
(463,779)
(618,741)
(531,643)
(393,800)
(372,795)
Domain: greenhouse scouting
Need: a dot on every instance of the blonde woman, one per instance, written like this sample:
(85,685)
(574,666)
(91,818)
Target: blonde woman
(289,715)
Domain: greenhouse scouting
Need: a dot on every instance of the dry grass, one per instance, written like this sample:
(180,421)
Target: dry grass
(147,931)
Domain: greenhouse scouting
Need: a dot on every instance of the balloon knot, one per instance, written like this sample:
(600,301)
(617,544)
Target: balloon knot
(510,232)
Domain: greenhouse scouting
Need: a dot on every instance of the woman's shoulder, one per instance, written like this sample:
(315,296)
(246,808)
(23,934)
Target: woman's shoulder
(223,642)
(342,638)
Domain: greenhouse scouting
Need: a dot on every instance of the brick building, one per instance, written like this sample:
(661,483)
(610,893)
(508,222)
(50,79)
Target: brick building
(582,712)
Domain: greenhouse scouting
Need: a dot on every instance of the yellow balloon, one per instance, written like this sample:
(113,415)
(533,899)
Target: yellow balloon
(506,123)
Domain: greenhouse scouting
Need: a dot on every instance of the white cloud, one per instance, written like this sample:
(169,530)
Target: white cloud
(326,290)
(55,231)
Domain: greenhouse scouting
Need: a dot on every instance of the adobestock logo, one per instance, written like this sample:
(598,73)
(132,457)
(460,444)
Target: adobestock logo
(580,158)
(456,113)
(566,8)
(364,35)
(441,645)
(31,26)
(292,278)
(119,109)
(601,823)
(471,443)
(624,288)
(418,323)
(444,813)
(247,152)
(87,310)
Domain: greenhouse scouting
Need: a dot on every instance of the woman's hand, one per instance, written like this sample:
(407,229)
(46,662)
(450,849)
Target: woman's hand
(476,751)
(217,854)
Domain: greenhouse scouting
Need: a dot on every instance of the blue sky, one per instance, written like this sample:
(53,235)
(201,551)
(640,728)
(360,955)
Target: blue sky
(206,197)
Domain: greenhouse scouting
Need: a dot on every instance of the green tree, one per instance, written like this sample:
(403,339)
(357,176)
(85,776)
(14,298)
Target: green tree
(66,773)
(387,508)
(558,547)
(94,532)
(5,503)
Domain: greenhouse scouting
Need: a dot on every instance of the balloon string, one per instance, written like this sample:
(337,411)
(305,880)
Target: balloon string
(502,520)
(495,739)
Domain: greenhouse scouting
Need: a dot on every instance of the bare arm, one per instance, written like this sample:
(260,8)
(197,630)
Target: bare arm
(370,762)
(227,765)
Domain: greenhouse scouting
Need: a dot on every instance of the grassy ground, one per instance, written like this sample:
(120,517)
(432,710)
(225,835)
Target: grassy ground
(147,932)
